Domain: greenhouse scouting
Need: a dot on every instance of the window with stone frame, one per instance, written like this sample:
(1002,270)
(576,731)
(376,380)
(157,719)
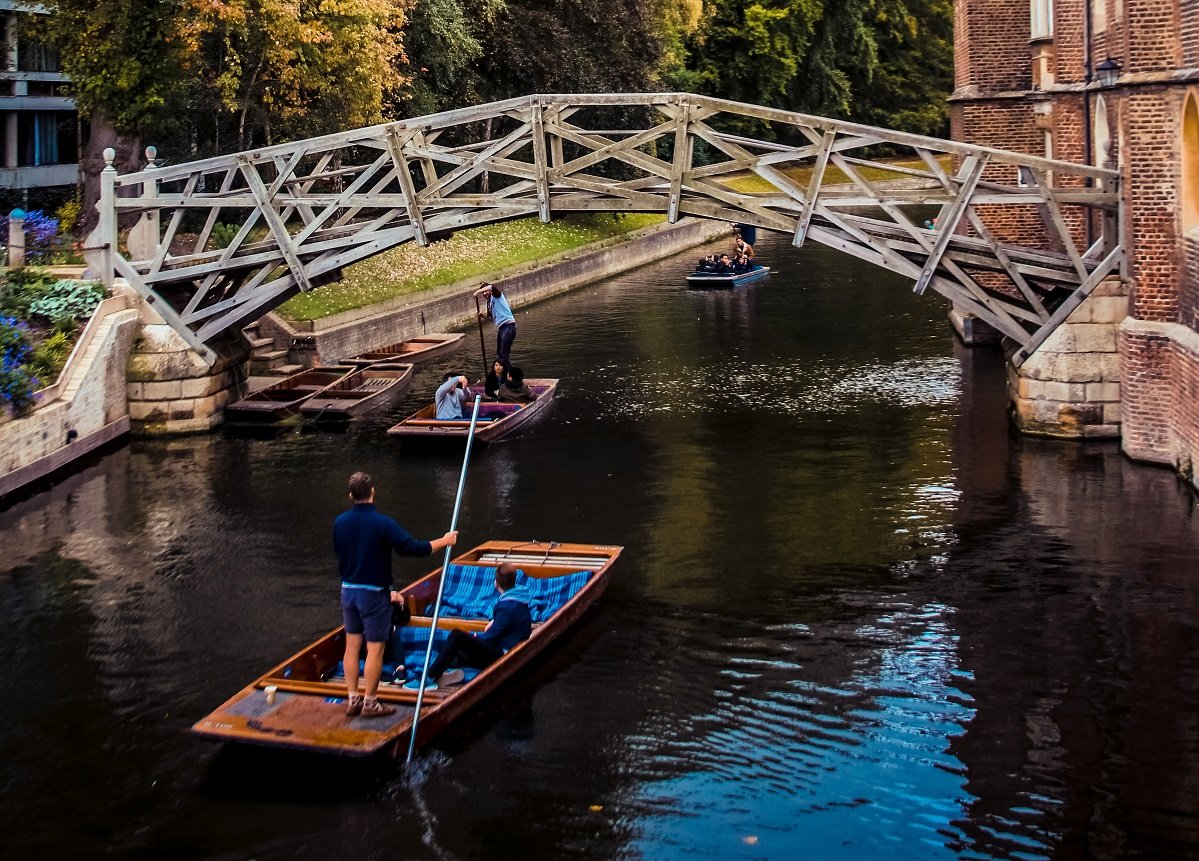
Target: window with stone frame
(1041,19)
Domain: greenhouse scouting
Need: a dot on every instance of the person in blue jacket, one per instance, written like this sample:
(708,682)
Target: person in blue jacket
(505,321)
(364,539)
(511,623)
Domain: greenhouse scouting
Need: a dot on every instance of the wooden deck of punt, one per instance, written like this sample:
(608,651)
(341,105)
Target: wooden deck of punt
(710,279)
(284,398)
(424,426)
(309,709)
(367,388)
(414,350)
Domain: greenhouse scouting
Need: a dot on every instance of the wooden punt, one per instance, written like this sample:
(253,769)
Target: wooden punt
(368,387)
(414,350)
(309,709)
(502,418)
(714,279)
(284,398)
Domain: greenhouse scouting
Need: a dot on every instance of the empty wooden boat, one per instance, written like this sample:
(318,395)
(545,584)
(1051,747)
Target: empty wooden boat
(497,419)
(284,398)
(300,704)
(414,350)
(700,278)
(367,388)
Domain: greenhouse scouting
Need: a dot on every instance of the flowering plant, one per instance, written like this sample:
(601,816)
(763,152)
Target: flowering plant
(17,383)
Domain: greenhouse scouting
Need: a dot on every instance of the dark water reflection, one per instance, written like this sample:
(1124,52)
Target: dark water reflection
(855,619)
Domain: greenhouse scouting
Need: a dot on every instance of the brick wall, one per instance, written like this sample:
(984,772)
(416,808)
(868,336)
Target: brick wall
(1189,35)
(1152,34)
(995,37)
(1150,156)
(1188,300)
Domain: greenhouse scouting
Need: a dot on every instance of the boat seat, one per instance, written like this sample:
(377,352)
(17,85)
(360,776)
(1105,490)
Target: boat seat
(549,594)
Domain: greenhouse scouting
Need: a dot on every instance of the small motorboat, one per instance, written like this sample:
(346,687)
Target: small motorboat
(414,350)
(284,398)
(497,419)
(704,278)
(300,704)
(367,388)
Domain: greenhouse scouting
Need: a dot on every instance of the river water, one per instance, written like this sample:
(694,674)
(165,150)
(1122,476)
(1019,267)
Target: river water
(855,617)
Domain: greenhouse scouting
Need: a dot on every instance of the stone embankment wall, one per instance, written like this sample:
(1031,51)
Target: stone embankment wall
(450,307)
(83,410)
(1071,386)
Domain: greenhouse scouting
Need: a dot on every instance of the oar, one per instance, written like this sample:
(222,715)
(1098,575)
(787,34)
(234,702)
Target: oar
(445,564)
(482,342)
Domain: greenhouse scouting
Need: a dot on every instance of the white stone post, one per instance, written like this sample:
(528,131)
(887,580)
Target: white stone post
(106,228)
(16,239)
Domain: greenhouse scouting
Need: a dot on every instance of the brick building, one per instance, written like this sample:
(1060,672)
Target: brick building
(1111,83)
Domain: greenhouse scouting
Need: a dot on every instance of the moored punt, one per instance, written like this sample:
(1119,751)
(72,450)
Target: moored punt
(308,708)
(284,398)
(496,418)
(414,350)
(727,279)
(367,388)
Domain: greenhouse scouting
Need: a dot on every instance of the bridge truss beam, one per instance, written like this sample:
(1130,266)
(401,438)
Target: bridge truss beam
(303,211)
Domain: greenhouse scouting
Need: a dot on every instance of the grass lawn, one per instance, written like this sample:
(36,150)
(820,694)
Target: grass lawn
(752,183)
(468,254)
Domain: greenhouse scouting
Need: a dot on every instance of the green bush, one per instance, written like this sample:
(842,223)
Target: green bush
(224,234)
(20,288)
(67,301)
(49,357)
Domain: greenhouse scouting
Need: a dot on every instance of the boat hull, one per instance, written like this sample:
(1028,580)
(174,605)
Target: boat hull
(308,713)
(423,426)
(413,350)
(371,387)
(284,398)
(712,279)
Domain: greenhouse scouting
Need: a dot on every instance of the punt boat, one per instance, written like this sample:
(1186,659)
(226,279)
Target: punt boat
(367,388)
(496,418)
(305,710)
(284,398)
(414,350)
(700,278)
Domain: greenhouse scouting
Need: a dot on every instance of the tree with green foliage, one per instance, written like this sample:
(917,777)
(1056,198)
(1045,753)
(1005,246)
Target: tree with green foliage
(443,41)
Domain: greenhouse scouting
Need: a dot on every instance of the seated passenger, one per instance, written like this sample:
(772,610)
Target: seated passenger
(706,264)
(495,378)
(451,397)
(725,266)
(742,265)
(510,624)
(514,388)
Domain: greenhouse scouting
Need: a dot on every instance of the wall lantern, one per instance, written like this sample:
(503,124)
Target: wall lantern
(1108,72)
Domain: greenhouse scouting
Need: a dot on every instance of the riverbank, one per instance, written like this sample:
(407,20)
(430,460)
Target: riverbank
(451,306)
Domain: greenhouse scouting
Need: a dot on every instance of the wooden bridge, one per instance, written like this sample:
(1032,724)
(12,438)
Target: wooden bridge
(300,212)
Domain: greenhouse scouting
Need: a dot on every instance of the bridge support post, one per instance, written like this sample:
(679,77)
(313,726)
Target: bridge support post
(1070,386)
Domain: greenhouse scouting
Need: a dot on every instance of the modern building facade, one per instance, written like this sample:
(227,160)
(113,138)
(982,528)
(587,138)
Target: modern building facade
(41,127)
(1110,83)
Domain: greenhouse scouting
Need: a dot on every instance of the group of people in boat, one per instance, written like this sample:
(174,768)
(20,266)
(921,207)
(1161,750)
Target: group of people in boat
(364,539)
(737,263)
(504,381)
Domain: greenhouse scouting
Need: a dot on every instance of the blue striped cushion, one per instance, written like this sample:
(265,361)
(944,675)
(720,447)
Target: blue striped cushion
(470,592)
(549,594)
(409,644)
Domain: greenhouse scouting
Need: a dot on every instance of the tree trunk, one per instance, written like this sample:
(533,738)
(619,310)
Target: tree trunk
(129,159)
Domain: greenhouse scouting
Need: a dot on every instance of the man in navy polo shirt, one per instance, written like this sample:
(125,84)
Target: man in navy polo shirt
(364,539)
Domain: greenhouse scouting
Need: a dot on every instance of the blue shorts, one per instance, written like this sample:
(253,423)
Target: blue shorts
(367,611)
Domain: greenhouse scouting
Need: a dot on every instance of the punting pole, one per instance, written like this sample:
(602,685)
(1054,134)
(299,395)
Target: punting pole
(445,564)
(482,342)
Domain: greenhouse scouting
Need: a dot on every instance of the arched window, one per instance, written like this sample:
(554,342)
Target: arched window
(1041,19)
(1190,164)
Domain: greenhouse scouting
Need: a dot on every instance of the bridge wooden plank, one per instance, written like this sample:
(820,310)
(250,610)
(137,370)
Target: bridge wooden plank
(275,224)
(809,205)
(681,161)
(396,144)
(947,221)
(541,162)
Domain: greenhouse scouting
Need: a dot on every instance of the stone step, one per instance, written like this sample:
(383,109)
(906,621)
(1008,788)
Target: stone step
(257,344)
(285,370)
(269,355)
